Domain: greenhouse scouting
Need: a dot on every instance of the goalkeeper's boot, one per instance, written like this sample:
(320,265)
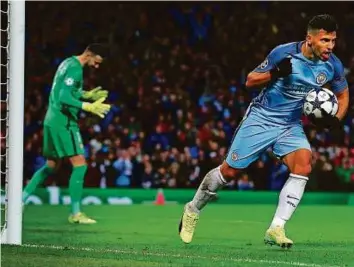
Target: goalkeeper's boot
(81,218)
(276,236)
(187,224)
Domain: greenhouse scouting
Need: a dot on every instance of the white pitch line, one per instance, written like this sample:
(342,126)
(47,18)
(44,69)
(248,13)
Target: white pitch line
(167,255)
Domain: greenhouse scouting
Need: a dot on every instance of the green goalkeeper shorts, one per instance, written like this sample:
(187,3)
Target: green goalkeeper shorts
(60,143)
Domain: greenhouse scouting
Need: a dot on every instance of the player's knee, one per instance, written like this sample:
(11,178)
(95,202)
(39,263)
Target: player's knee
(228,172)
(303,169)
(51,164)
(78,160)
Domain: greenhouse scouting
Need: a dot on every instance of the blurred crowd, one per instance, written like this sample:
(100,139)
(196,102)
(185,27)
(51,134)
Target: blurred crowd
(175,76)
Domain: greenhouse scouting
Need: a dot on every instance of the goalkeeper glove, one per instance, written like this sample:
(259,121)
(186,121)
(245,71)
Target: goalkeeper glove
(282,69)
(331,123)
(98,108)
(95,94)
(326,122)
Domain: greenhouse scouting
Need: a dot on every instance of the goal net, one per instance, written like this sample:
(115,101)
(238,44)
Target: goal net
(12,113)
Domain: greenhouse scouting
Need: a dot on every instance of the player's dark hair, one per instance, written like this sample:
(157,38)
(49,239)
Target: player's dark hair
(98,49)
(325,22)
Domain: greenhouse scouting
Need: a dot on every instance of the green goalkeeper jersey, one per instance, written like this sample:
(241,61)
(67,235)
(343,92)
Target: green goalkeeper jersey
(64,99)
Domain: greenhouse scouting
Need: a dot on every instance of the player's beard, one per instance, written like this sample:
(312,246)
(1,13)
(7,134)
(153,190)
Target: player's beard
(323,56)
(315,56)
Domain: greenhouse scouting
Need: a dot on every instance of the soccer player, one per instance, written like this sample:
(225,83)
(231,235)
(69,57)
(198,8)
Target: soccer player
(61,133)
(272,120)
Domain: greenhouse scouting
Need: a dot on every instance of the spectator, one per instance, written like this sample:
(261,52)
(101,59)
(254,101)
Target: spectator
(345,173)
(244,183)
(176,88)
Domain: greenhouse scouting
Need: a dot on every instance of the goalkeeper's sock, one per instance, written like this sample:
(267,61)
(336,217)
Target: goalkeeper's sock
(37,178)
(289,199)
(211,183)
(76,186)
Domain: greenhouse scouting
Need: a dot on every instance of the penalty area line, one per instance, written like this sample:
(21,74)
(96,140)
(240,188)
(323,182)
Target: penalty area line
(168,255)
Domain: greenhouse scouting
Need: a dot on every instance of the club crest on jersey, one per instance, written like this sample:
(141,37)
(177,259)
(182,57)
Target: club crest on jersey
(264,64)
(321,78)
(69,81)
(234,156)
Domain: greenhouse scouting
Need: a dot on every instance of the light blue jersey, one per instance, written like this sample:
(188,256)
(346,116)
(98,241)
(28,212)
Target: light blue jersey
(273,118)
(282,100)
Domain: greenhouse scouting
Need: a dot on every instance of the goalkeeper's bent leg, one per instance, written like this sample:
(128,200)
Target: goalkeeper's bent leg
(37,178)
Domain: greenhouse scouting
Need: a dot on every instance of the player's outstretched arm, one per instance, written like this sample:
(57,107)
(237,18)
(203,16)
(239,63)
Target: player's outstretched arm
(98,107)
(70,81)
(66,98)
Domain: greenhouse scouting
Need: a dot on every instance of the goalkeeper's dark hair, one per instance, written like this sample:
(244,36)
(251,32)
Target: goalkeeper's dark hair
(325,22)
(98,49)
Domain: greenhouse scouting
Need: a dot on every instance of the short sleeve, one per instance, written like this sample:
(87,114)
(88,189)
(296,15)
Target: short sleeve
(71,82)
(273,58)
(72,79)
(278,54)
(339,82)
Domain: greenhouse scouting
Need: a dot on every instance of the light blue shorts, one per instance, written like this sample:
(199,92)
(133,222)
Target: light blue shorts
(254,136)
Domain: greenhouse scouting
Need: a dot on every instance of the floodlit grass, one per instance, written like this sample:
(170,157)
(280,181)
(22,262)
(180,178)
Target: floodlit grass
(147,235)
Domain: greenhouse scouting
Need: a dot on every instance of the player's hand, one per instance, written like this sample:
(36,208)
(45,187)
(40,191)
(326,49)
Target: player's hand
(331,123)
(98,108)
(282,69)
(95,94)
(326,122)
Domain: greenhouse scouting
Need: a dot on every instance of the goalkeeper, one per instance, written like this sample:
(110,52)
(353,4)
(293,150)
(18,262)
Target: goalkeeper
(61,133)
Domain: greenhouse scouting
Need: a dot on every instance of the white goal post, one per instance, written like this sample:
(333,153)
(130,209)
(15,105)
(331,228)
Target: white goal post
(12,231)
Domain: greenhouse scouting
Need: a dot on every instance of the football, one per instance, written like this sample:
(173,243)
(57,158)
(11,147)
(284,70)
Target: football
(320,100)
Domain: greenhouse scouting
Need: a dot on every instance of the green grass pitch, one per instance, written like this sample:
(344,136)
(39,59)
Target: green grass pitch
(147,235)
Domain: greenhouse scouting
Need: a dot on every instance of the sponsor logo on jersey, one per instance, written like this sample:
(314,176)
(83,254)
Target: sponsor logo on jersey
(297,90)
(321,78)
